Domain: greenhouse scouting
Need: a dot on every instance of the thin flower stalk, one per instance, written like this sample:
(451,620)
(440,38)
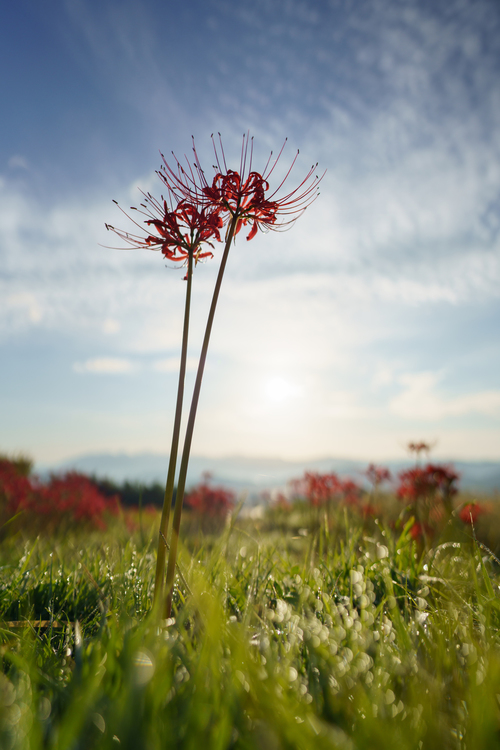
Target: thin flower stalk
(169,487)
(181,484)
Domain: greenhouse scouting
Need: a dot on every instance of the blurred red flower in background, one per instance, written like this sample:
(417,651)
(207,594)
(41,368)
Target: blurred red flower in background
(427,482)
(420,531)
(429,490)
(350,492)
(419,448)
(318,489)
(64,500)
(209,501)
(470,512)
(323,489)
(77,497)
(15,484)
(377,475)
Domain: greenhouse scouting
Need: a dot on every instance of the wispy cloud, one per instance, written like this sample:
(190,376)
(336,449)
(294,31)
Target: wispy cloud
(105,366)
(22,308)
(17,161)
(283,290)
(171,364)
(122,365)
(421,400)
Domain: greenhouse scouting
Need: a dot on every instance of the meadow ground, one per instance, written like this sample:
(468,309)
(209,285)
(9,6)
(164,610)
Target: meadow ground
(294,631)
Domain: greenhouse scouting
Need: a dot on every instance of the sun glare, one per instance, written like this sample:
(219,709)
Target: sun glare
(278,389)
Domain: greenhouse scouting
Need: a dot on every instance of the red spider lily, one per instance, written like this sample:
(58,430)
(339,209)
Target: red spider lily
(444,479)
(350,492)
(183,221)
(77,497)
(471,512)
(195,211)
(415,484)
(206,500)
(69,499)
(243,194)
(377,475)
(178,232)
(318,489)
(419,448)
(369,511)
(15,485)
(282,503)
(420,531)
(201,225)
(425,482)
(322,489)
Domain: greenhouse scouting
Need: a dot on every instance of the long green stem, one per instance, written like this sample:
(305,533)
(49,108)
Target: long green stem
(181,484)
(169,487)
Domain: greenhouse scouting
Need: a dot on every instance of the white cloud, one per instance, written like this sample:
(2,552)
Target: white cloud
(122,365)
(382,376)
(22,308)
(110,326)
(17,161)
(172,364)
(105,365)
(421,400)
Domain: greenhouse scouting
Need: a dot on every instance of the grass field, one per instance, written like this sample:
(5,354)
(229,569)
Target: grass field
(286,634)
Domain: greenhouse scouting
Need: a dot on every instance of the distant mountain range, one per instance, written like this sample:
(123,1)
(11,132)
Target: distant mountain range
(256,474)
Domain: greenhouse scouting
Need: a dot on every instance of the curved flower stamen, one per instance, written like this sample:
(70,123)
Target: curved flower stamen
(176,233)
(243,194)
(180,223)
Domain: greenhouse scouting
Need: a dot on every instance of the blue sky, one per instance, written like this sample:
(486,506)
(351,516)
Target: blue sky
(372,322)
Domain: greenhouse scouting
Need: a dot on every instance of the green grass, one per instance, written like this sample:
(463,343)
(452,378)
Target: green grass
(340,638)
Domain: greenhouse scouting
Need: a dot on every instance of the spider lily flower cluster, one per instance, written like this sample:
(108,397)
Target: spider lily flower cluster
(243,194)
(178,233)
(194,211)
(183,224)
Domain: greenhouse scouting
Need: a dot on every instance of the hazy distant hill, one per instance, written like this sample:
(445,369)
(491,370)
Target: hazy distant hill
(256,474)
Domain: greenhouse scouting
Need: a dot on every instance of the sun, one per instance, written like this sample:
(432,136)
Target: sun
(278,389)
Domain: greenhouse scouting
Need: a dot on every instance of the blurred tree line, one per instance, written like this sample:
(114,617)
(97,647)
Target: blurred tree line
(133,494)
